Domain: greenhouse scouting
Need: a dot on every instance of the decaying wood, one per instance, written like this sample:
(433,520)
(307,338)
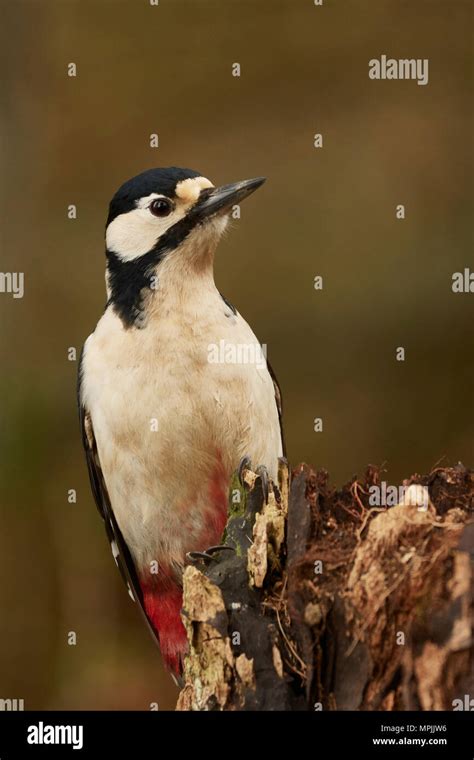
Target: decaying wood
(330,603)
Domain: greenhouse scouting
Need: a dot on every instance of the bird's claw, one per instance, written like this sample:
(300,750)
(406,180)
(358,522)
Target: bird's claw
(208,555)
(262,472)
(244,464)
(198,557)
(219,548)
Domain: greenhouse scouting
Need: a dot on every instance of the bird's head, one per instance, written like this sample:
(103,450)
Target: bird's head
(162,214)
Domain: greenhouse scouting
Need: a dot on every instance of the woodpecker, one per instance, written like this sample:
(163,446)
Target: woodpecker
(163,426)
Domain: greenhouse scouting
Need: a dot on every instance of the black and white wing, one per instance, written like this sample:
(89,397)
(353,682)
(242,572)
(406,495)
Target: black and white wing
(279,405)
(120,551)
(278,396)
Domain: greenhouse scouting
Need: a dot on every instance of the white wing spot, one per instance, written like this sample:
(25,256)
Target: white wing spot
(115,551)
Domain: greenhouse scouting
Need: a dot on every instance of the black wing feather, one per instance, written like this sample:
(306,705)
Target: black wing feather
(279,405)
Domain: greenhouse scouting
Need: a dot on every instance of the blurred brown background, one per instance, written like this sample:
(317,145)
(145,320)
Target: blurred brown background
(387,283)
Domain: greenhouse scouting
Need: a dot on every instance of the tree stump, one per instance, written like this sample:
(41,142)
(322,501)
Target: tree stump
(328,602)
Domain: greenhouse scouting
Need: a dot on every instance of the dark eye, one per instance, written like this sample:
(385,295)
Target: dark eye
(161,207)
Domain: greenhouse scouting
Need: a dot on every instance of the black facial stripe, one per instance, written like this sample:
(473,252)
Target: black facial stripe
(128,279)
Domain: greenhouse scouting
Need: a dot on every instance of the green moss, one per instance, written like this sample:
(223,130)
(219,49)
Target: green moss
(238,504)
(236,511)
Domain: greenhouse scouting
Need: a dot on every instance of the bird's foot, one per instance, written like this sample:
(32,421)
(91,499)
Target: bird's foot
(208,555)
(244,464)
(262,473)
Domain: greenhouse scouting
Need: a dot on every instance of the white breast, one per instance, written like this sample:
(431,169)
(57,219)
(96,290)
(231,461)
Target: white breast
(165,417)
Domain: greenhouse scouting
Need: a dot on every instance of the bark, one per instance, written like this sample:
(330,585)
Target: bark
(330,603)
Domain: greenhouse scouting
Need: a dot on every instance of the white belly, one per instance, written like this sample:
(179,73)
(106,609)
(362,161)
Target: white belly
(166,419)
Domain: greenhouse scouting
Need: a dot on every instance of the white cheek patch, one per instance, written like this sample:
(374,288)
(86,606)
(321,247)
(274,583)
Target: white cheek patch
(135,233)
(188,190)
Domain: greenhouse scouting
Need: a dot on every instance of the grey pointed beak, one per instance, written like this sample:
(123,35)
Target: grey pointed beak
(220,199)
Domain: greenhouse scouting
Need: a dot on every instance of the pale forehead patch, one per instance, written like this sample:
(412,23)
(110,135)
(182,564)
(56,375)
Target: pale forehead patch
(189,189)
